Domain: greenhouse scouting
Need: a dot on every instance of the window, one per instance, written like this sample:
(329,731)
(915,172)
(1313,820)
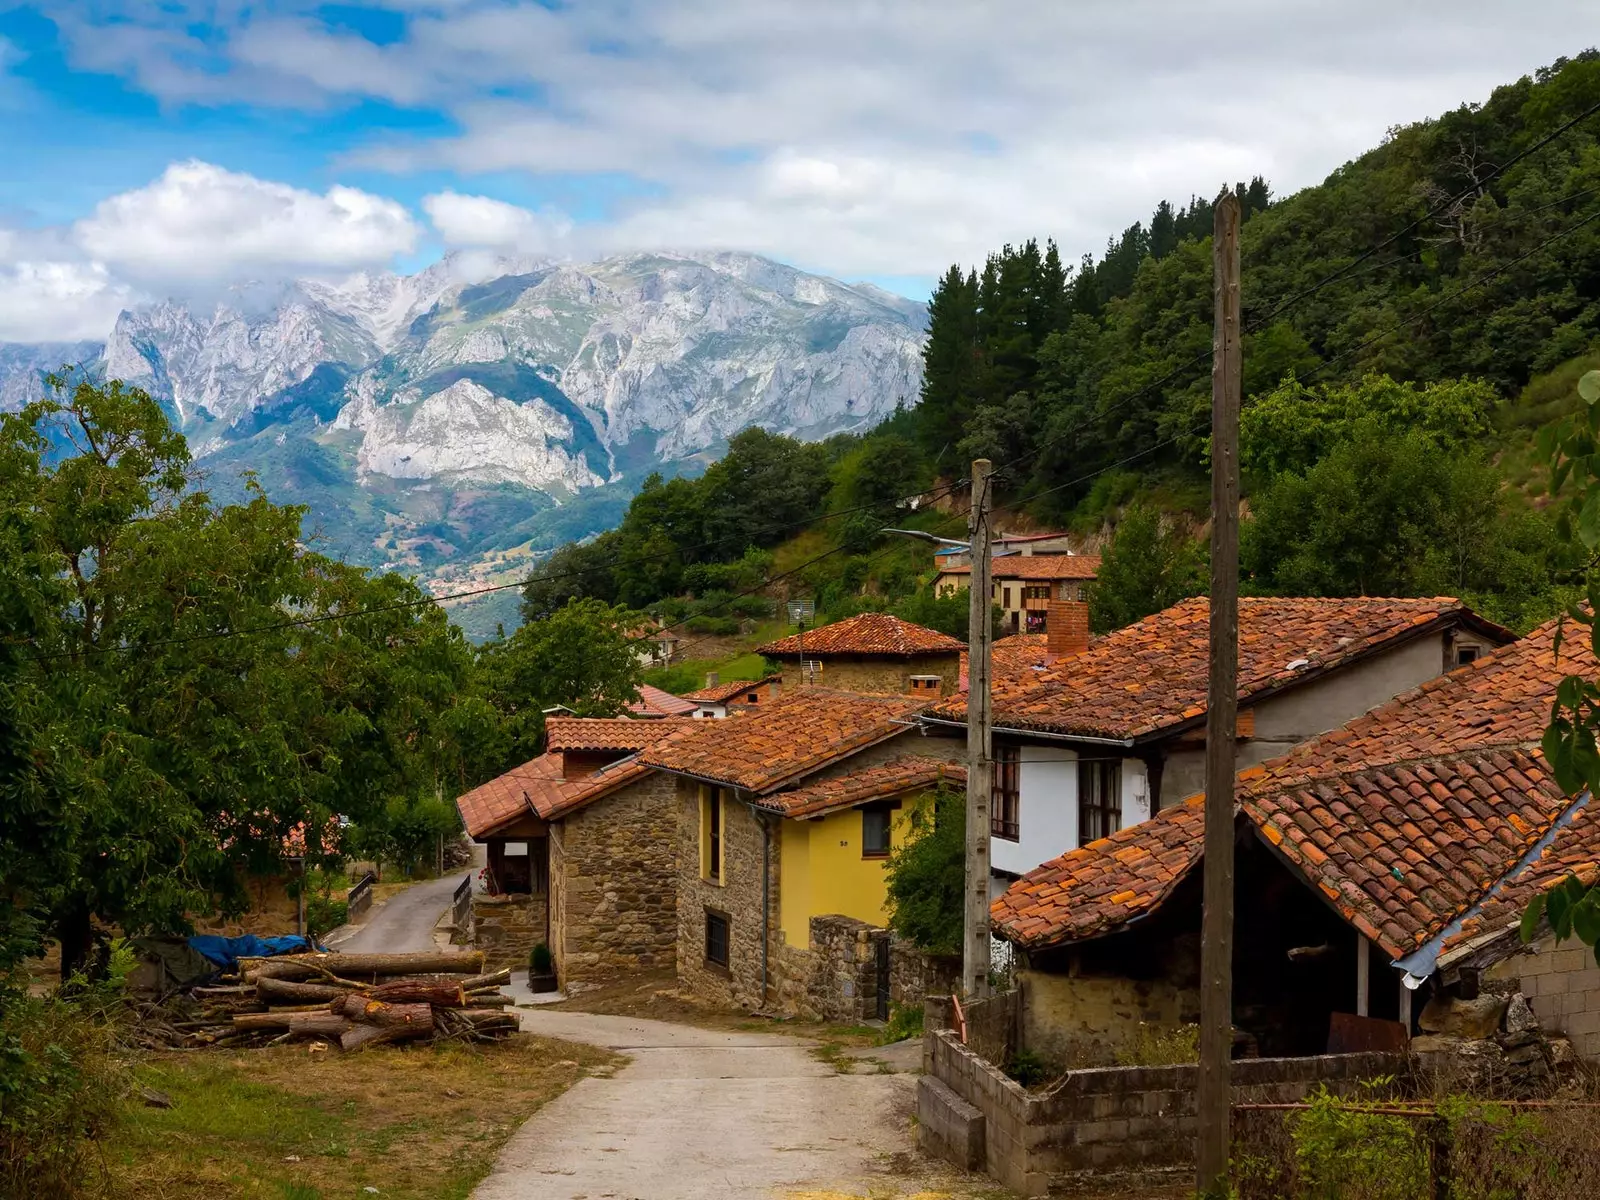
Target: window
(1007,603)
(1099,799)
(875,831)
(752,698)
(1006,796)
(711,834)
(1466,654)
(716,938)
(925,684)
(1036,591)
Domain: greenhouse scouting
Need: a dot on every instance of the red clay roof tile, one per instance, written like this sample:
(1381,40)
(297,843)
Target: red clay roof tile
(866,633)
(1036,567)
(604,733)
(721,693)
(893,778)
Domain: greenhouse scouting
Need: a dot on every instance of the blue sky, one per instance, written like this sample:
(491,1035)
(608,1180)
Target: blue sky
(154,148)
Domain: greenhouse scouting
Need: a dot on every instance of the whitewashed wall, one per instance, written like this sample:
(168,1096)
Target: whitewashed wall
(1047,810)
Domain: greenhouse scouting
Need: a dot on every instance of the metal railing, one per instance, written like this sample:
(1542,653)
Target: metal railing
(359,898)
(461,903)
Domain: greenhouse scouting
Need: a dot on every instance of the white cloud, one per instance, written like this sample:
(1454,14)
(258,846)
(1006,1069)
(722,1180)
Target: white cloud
(199,223)
(480,222)
(58,301)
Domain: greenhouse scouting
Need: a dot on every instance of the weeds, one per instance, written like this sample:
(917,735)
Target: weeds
(905,1021)
(1160,1046)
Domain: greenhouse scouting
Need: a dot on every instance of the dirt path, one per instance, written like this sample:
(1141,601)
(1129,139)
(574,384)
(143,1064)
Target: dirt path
(405,921)
(700,1112)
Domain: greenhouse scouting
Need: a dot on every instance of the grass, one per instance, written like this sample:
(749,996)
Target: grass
(290,1123)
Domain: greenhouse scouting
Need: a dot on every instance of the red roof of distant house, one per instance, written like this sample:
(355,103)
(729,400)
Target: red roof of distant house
(1036,567)
(653,702)
(1149,678)
(867,634)
(537,787)
(769,746)
(1014,661)
(602,733)
(1424,812)
(894,778)
(721,693)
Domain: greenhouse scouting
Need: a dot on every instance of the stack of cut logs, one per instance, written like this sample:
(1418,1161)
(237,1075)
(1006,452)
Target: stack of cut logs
(354,1000)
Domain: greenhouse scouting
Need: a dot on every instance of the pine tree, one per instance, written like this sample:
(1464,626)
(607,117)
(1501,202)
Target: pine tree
(950,362)
(1163,230)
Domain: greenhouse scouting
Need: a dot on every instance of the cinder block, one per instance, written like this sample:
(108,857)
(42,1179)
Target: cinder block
(954,1128)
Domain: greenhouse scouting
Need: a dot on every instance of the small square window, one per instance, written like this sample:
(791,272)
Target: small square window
(875,832)
(716,938)
(1465,655)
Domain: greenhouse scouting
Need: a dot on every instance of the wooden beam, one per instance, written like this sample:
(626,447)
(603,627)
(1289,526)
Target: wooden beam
(1363,976)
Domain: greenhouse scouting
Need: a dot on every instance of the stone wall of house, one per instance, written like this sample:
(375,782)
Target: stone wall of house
(1562,986)
(617,866)
(914,976)
(867,674)
(837,978)
(738,896)
(506,928)
(1082,1019)
(1099,1119)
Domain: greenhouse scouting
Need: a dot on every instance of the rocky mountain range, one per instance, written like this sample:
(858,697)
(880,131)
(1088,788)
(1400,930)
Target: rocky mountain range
(454,421)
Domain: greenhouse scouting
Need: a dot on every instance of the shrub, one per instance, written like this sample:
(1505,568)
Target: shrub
(1027,1068)
(904,1021)
(1342,1153)
(1160,1046)
(540,962)
(60,1089)
(715,626)
(324,913)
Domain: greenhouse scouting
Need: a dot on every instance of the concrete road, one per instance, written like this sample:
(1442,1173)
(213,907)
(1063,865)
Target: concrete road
(405,921)
(699,1113)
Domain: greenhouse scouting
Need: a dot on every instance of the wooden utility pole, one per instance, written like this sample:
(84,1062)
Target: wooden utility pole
(1216,936)
(975,924)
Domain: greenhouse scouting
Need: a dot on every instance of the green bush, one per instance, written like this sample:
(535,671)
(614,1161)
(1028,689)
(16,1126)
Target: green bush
(905,1021)
(324,913)
(1345,1154)
(540,962)
(60,1089)
(715,626)
(1027,1068)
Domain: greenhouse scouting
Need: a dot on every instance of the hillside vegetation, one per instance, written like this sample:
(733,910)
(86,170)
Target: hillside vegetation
(1409,322)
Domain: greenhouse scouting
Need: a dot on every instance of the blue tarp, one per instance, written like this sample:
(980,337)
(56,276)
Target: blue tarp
(226,952)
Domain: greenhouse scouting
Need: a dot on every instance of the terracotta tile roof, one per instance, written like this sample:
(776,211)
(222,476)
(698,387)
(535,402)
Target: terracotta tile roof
(1036,567)
(1403,819)
(764,748)
(1014,662)
(603,733)
(868,633)
(1097,888)
(720,693)
(909,773)
(653,702)
(1150,677)
(537,788)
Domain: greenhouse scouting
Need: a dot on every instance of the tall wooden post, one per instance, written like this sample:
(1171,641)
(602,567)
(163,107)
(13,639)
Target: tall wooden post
(1216,950)
(975,923)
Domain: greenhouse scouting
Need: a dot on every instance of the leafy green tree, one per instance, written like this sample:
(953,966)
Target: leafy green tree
(1148,565)
(585,656)
(876,476)
(927,874)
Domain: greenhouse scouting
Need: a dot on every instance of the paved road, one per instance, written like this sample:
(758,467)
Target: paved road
(698,1113)
(406,920)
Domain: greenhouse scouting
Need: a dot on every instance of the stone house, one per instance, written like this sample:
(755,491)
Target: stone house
(1025,586)
(786,815)
(1382,869)
(718,698)
(871,652)
(1112,730)
(600,836)
(654,703)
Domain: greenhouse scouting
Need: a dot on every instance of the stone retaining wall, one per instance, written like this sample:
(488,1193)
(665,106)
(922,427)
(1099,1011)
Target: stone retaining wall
(506,929)
(837,978)
(1105,1118)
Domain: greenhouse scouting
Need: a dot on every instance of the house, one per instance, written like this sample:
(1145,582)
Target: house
(582,847)
(1114,729)
(717,699)
(1009,544)
(657,644)
(1380,867)
(654,703)
(787,813)
(872,652)
(1026,585)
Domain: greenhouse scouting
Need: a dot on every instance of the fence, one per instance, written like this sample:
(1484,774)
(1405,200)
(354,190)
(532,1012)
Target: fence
(359,899)
(461,903)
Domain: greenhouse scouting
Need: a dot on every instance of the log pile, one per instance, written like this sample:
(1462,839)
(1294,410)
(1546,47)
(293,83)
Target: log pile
(353,1000)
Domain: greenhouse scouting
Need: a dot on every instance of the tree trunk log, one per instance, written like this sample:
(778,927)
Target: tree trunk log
(283,991)
(441,995)
(363,966)
(378,1012)
(307,1025)
(493,979)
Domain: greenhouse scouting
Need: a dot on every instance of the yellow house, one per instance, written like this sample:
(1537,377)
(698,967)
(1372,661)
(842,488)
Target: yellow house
(836,837)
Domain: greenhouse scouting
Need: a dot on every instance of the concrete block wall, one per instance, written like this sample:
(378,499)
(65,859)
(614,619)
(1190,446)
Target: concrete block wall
(1115,1117)
(1562,985)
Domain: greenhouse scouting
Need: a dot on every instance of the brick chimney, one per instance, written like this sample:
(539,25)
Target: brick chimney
(1066,628)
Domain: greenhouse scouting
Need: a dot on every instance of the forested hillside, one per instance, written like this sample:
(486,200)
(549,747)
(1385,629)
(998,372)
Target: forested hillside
(1401,309)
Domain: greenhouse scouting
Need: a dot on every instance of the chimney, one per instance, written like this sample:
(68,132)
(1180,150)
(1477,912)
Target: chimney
(774,688)
(1066,628)
(711,679)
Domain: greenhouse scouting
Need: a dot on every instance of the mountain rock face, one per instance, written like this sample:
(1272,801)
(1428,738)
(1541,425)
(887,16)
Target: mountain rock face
(560,379)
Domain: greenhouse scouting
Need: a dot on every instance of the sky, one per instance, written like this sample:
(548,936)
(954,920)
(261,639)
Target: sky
(154,148)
